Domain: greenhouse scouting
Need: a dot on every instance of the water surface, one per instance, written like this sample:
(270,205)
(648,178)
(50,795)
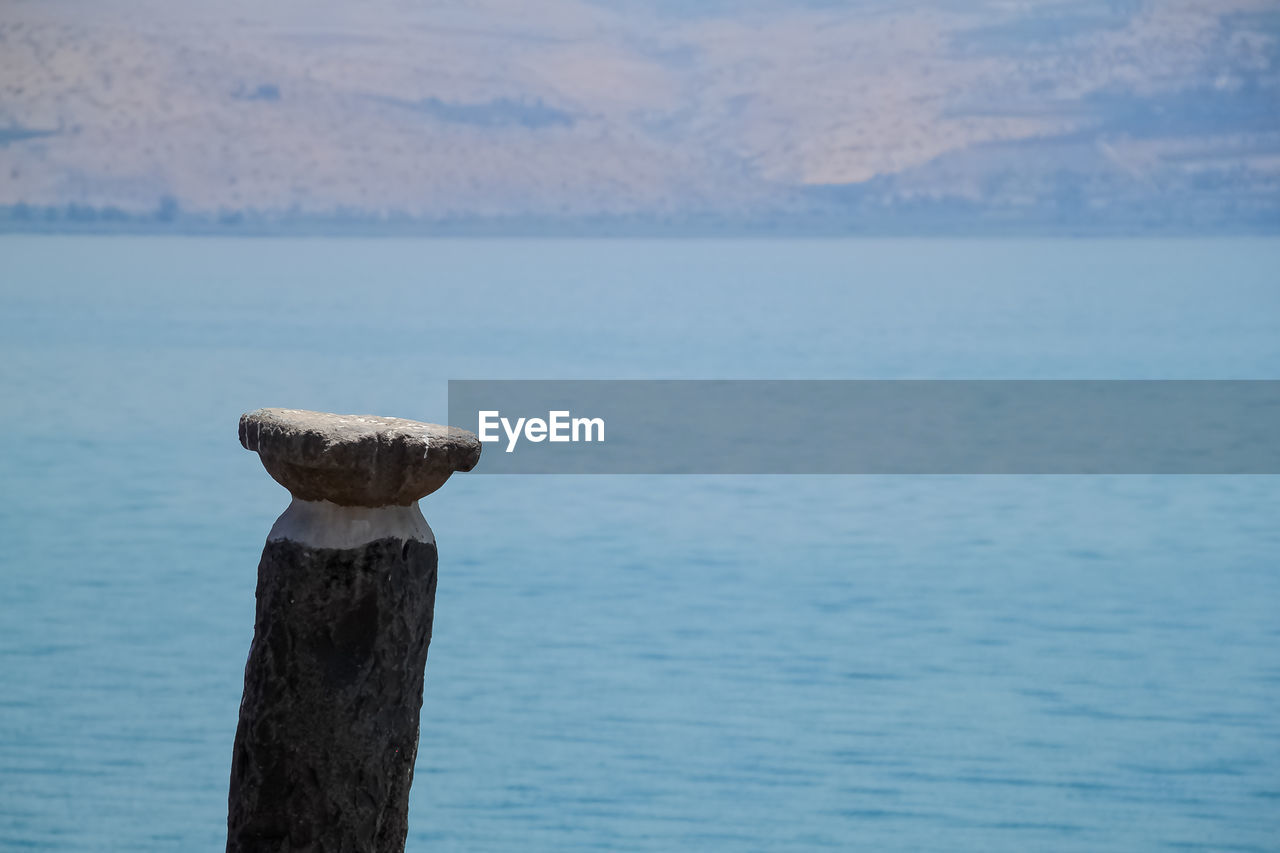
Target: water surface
(649,663)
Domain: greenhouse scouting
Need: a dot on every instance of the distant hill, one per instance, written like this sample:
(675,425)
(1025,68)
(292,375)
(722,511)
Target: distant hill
(496,116)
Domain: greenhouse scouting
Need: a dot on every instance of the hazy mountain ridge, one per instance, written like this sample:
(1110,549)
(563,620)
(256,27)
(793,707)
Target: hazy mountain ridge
(1108,114)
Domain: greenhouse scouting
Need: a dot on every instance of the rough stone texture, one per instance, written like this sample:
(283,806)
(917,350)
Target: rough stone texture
(328,729)
(356,460)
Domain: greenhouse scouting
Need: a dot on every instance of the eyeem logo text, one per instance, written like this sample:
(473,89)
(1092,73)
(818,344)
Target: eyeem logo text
(558,426)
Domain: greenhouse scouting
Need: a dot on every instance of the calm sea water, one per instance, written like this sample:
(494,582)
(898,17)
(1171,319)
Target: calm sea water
(649,663)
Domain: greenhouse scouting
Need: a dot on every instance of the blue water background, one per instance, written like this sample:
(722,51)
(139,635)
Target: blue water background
(649,663)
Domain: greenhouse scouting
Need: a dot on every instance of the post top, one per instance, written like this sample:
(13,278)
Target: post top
(356,460)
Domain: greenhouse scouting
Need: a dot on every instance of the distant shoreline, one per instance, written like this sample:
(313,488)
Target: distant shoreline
(624,228)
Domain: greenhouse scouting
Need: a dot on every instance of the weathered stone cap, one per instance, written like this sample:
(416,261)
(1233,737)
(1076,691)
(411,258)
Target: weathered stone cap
(356,460)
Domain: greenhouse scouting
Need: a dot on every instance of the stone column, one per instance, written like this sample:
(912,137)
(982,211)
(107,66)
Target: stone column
(328,729)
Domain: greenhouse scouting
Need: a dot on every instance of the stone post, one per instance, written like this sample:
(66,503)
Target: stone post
(328,730)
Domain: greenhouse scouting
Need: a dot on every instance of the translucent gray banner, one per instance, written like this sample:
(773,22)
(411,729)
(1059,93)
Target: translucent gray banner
(871,427)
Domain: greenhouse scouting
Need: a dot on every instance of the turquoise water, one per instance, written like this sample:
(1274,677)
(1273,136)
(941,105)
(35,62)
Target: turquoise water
(649,663)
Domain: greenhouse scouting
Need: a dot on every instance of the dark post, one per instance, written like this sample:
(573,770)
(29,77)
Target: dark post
(328,730)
